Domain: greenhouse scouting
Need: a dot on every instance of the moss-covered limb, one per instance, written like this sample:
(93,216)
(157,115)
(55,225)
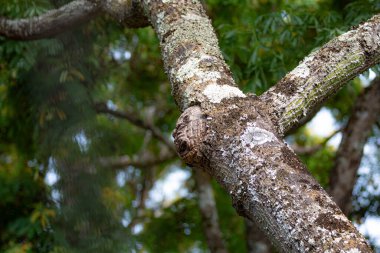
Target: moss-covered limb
(50,23)
(323,73)
(191,55)
(354,136)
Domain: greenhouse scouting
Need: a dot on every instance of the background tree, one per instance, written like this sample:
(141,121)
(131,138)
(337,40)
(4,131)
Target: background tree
(92,107)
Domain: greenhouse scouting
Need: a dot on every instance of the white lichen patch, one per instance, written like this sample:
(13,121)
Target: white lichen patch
(354,251)
(302,70)
(191,16)
(348,36)
(192,69)
(160,17)
(215,93)
(254,135)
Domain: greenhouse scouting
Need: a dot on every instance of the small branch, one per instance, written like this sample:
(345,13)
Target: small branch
(49,24)
(145,160)
(321,74)
(207,207)
(355,135)
(133,119)
(309,150)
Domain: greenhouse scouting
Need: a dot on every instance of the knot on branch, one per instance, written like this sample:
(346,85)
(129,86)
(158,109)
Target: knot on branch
(189,134)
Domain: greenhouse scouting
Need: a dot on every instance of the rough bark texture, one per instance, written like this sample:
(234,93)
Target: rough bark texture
(127,12)
(49,24)
(365,114)
(207,207)
(232,136)
(323,73)
(190,51)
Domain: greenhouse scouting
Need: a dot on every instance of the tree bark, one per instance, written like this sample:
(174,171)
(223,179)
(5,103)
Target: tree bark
(207,207)
(343,176)
(235,139)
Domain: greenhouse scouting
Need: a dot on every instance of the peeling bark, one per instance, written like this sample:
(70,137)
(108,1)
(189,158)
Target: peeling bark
(365,114)
(207,207)
(321,74)
(53,22)
(233,137)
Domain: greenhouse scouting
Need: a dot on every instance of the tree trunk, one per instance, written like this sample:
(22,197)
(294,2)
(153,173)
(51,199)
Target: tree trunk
(238,141)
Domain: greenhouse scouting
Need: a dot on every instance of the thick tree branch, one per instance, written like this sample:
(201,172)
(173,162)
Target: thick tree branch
(323,73)
(228,134)
(365,114)
(53,22)
(191,55)
(49,24)
(207,207)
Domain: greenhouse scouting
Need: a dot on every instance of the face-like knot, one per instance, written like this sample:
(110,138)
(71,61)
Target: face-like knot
(189,134)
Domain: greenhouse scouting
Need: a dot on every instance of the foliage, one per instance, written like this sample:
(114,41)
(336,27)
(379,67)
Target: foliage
(49,124)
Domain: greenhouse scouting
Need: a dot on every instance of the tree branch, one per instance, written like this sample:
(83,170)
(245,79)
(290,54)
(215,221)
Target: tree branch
(49,24)
(145,160)
(133,119)
(309,150)
(207,207)
(323,73)
(365,114)
(53,22)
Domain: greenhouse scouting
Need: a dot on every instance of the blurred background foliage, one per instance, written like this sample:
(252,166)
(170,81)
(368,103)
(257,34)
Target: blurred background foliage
(55,193)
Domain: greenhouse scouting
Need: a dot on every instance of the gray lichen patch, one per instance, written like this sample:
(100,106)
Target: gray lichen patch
(192,58)
(216,93)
